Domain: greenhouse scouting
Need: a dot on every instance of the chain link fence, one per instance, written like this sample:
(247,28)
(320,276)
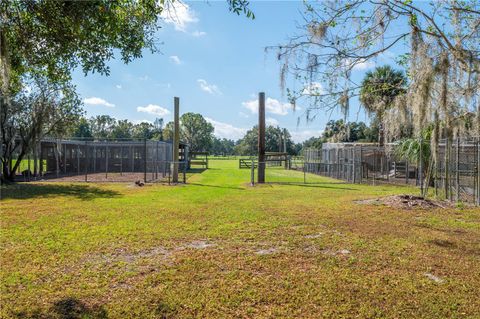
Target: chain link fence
(119,160)
(455,176)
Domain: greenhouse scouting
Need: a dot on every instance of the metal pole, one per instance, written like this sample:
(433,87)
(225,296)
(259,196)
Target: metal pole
(420,169)
(41,160)
(65,158)
(184,171)
(304,173)
(57,155)
(145,160)
(28,166)
(447,169)
(78,159)
(106,161)
(407,172)
(261,137)
(478,171)
(176,138)
(121,160)
(132,157)
(361,163)
(435,181)
(252,174)
(87,162)
(457,171)
(354,165)
(156,163)
(94,159)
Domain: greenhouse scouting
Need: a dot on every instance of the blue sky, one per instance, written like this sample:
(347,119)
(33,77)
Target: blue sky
(215,62)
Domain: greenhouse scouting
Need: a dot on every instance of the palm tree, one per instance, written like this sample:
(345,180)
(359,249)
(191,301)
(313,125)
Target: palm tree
(379,90)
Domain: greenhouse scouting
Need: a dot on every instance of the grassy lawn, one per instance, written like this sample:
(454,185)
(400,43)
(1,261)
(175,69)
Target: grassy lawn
(218,248)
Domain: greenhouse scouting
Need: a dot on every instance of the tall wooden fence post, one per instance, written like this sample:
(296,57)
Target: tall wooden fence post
(261,137)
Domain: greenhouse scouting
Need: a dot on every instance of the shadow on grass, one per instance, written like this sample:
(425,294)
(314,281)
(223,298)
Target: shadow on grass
(315,185)
(196,170)
(217,186)
(26,191)
(67,308)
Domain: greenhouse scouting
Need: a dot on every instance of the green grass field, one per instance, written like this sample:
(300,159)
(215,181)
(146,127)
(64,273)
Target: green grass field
(218,248)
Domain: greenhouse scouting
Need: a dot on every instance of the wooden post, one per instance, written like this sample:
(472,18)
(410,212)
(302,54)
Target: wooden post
(176,139)
(261,137)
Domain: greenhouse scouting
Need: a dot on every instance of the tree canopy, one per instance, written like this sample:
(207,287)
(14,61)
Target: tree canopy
(46,40)
(438,43)
(274,141)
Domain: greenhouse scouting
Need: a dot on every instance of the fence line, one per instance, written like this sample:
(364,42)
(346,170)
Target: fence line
(105,160)
(455,175)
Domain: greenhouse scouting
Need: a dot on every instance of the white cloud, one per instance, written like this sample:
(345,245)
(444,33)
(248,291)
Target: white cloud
(314,88)
(144,78)
(358,65)
(225,130)
(179,14)
(97,101)
(209,88)
(175,59)
(198,34)
(271,121)
(300,136)
(142,121)
(271,106)
(153,109)
(118,86)
(364,65)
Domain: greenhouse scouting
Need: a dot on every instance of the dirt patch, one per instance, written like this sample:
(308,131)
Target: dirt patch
(123,255)
(313,236)
(406,202)
(331,252)
(434,278)
(199,244)
(268,251)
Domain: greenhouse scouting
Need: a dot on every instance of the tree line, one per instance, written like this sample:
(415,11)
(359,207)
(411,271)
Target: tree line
(199,134)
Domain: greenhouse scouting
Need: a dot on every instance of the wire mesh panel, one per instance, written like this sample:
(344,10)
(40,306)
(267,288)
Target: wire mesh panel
(457,170)
(107,160)
(455,175)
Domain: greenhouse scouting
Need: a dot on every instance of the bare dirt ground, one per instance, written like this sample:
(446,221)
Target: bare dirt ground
(406,202)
